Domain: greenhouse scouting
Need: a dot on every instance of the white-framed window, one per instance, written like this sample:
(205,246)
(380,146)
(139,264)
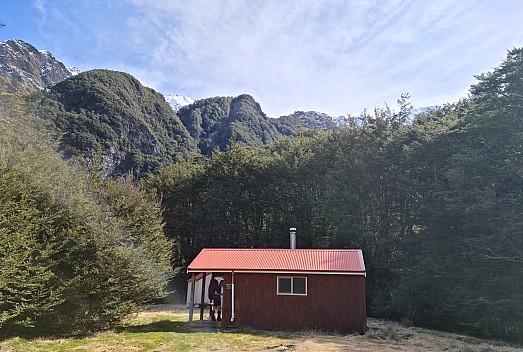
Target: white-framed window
(292,285)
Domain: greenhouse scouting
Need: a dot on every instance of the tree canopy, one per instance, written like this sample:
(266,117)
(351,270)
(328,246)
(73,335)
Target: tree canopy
(434,201)
(76,253)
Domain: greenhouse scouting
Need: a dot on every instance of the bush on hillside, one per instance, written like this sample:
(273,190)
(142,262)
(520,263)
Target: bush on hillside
(76,253)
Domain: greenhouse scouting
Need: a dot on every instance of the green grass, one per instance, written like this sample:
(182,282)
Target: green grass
(166,329)
(151,333)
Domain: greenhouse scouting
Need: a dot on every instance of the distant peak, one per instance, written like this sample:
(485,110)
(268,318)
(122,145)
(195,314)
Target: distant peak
(245,96)
(312,120)
(29,67)
(178,101)
(19,43)
(73,70)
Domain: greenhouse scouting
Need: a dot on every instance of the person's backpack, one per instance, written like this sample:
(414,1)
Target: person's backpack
(218,289)
(212,286)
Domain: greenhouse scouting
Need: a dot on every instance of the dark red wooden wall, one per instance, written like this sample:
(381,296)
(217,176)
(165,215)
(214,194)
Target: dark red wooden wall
(333,303)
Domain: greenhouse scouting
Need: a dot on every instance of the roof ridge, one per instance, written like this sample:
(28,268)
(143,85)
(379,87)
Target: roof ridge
(282,249)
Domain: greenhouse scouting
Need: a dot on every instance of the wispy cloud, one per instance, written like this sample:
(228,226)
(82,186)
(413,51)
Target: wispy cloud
(334,56)
(40,6)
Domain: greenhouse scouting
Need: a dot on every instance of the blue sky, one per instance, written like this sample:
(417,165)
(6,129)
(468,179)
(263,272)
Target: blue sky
(336,57)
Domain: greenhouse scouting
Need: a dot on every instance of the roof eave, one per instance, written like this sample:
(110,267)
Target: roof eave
(273,271)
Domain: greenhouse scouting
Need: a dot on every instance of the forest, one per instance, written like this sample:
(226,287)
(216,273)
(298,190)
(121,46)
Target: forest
(434,201)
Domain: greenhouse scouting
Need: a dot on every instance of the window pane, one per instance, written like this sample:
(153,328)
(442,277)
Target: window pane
(299,285)
(284,285)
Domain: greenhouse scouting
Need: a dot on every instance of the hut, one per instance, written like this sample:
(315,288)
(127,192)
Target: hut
(288,289)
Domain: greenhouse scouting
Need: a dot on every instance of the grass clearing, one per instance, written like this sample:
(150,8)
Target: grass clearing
(164,328)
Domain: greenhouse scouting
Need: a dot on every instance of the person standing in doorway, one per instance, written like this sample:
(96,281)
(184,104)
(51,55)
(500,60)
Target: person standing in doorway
(218,299)
(210,293)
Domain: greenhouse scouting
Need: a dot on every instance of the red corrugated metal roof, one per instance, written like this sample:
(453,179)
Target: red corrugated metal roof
(276,260)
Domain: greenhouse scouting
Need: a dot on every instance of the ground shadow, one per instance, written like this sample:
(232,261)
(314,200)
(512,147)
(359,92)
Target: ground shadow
(157,326)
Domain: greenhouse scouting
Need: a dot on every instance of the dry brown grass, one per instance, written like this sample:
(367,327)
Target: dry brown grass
(382,336)
(164,328)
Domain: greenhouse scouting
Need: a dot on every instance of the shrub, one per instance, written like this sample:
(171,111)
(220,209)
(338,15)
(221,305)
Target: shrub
(76,253)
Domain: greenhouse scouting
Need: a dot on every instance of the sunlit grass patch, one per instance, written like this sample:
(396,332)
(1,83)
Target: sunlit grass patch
(167,329)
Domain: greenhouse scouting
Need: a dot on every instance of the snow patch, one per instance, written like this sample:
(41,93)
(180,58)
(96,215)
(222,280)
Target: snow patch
(73,70)
(178,101)
(46,68)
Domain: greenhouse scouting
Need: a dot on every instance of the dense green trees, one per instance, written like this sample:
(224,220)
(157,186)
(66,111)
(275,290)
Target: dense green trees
(109,118)
(241,197)
(434,202)
(477,212)
(216,122)
(76,253)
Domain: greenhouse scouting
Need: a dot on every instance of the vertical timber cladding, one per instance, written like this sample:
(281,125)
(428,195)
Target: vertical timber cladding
(333,303)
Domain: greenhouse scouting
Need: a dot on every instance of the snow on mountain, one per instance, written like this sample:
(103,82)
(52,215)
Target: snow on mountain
(22,64)
(178,101)
(340,121)
(415,111)
(73,70)
(309,120)
(319,120)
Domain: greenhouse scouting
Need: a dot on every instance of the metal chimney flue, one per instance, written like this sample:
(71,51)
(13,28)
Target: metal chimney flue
(293,237)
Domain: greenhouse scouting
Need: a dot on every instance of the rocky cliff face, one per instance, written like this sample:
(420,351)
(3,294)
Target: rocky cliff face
(306,120)
(23,66)
(111,115)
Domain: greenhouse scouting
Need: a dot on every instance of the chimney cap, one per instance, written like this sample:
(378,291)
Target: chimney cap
(293,237)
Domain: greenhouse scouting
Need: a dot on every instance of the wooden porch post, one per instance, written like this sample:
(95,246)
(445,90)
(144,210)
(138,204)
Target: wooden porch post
(191,304)
(202,298)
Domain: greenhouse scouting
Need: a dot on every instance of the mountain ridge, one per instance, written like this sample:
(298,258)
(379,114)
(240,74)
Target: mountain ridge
(22,65)
(111,116)
(112,113)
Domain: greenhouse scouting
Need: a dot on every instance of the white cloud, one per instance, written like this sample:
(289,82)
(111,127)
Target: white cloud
(333,56)
(40,6)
